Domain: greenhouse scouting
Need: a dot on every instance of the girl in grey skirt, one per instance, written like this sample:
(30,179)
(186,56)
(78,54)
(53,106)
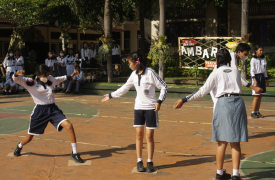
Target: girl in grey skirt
(229,124)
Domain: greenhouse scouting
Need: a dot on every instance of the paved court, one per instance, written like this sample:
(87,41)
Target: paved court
(105,136)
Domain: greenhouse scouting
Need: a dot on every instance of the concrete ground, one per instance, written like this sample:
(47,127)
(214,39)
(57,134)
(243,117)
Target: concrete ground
(183,146)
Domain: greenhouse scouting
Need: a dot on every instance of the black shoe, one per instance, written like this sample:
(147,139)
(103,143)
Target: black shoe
(140,167)
(4,93)
(67,92)
(225,176)
(9,93)
(17,151)
(76,92)
(150,167)
(254,115)
(64,90)
(259,115)
(236,178)
(23,90)
(76,158)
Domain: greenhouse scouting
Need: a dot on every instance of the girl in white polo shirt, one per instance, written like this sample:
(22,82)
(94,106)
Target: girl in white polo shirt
(40,86)
(146,105)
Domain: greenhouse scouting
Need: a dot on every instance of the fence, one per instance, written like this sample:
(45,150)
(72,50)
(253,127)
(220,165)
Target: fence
(202,51)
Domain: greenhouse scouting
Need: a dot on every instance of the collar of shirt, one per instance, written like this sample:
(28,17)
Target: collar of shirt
(39,82)
(143,72)
(222,65)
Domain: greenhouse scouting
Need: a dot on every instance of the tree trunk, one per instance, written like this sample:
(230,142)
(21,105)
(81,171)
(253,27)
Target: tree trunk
(244,30)
(229,19)
(142,30)
(63,40)
(162,32)
(108,34)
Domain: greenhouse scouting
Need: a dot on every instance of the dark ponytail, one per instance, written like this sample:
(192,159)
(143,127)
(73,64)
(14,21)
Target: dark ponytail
(41,69)
(223,57)
(254,54)
(134,57)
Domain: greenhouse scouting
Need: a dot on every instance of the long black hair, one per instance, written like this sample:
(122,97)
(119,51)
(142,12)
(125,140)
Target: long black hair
(10,58)
(257,47)
(41,69)
(223,57)
(242,47)
(134,57)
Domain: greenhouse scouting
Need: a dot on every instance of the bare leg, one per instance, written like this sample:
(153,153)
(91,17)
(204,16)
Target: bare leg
(139,141)
(236,154)
(150,142)
(259,103)
(221,147)
(27,139)
(69,127)
(255,103)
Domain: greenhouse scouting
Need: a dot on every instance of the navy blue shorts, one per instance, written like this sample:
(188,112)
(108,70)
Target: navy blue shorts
(116,60)
(148,116)
(260,78)
(93,63)
(84,65)
(41,115)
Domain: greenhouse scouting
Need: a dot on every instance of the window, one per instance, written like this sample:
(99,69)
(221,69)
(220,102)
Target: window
(73,36)
(5,33)
(139,40)
(4,48)
(262,31)
(87,37)
(127,41)
(55,35)
(177,13)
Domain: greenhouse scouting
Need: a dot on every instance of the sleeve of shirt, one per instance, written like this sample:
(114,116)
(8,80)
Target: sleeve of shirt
(265,72)
(57,80)
(5,63)
(119,52)
(15,64)
(82,54)
(160,84)
(124,89)
(233,61)
(22,60)
(204,90)
(21,80)
(245,82)
(252,67)
(79,76)
(46,62)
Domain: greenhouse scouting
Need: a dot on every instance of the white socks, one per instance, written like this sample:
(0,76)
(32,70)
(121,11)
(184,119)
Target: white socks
(255,111)
(20,145)
(74,148)
(220,172)
(236,172)
(9,90)
(104,72)
(5,90)
(118,73)
(114,72)
(94,76)
(139,159)
(149,160)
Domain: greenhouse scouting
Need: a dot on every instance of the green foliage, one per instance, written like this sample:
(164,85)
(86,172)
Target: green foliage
(159,50)
(106,48)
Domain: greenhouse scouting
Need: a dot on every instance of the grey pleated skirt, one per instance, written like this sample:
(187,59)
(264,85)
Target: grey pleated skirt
(229,121)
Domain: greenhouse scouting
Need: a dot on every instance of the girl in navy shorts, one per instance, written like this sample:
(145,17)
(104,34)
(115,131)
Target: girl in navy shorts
(146,105)
(40,86)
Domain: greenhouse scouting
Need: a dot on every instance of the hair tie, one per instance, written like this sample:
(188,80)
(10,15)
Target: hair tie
(138,61)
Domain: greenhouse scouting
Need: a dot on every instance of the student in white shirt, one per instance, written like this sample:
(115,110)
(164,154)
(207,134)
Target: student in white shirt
(50,62)
(10,86)
(85,59)
(93,61)
(259,78)
(78,80)
(40,87)
(146,105)
(19,63)
(116,58)
(61,61)
(9,64)
(103,62)
(69,61)
(229,119)
(241,53)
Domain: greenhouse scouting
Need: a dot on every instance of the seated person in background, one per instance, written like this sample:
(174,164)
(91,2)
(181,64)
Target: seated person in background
(76,63)
(10,86)
(78,80)
(1,82)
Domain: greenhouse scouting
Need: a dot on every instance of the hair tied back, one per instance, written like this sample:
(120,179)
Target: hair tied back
(138,61)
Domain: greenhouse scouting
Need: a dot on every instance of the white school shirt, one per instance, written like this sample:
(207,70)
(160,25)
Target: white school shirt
(258,66)
(146,97)
(70,59)
(61,60)
(41,94)
(224,80)
(85,53)
(234,60)
(9,63)
(92,53)
(116,50)
(19,61)
(10,82)
(50,62)
(79,77)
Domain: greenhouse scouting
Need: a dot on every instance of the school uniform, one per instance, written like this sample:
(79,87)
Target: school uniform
(10,85)
(258,71)
(56,69)
(10,65)
(62,68)
(79,80)
(145,84)
(45,109)
(50,63)
(93,61)
(85,58)
(229,121)
(19,62)
(103,62)
(69,61)
(116,55)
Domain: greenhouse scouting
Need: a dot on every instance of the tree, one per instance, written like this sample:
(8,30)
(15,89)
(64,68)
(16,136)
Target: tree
(59,14)
(244,31)
(162,33)
(20,14)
